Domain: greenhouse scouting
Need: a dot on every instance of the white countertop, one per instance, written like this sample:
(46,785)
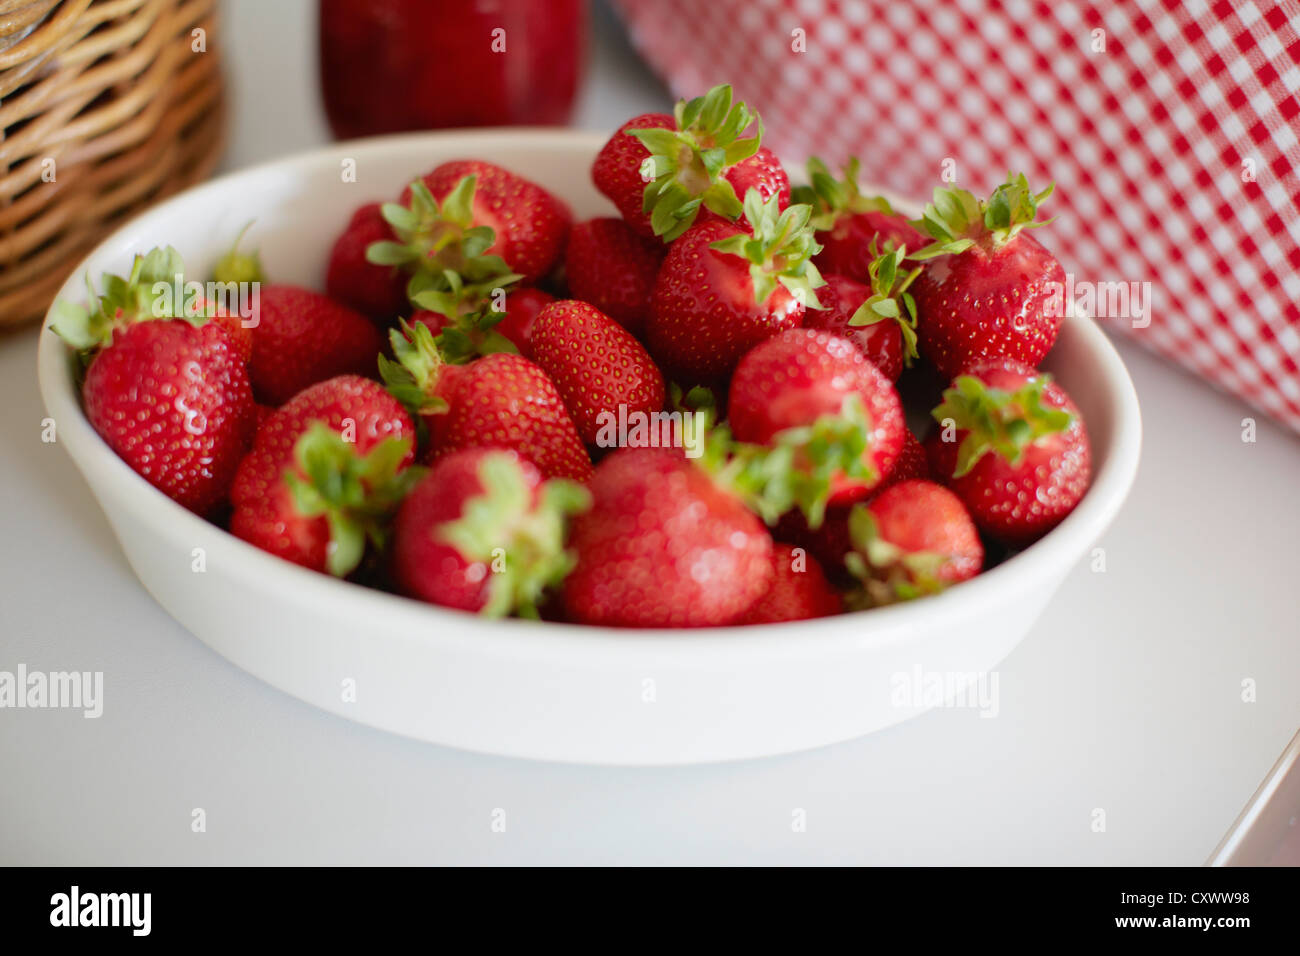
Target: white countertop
(1126,696)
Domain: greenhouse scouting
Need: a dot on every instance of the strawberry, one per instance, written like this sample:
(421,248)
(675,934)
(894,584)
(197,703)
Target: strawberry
(814,396)
(1014,448)
(451,217)
(482,532)
(614,268)
(499,401)
(762,172)
(879,318)
(987,285)
(664,546)
(170,396)
(617,169)
(325,473)
(373,290)
(240,335)
(799,590)
(303,337)
(665,173)
(911,463)
(197,307)
(847,222)
(828,543)
(157,289)
(597,365)
(522,308)
(723,289)
(174,403)
(914,538)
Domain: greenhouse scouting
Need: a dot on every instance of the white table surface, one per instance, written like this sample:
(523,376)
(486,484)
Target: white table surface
(1126,696)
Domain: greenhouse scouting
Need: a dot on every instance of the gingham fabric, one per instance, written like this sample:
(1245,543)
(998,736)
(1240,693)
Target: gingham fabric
(1169,127)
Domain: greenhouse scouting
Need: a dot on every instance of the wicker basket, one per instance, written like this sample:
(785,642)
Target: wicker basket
(105,106)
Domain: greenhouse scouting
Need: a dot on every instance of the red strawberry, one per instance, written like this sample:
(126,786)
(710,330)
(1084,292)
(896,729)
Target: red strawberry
(723,290)
(613,268)
(505,401)
(828,543)
(324,473)
(664,546)
(478,220)
(664,173)
(482,532)
(617,171)
(911,463)
(879,318)
(174,403)
(499,401)
(598,367)
(799,590)
(1014,448)
(169,395)
(762,172)
(522,308)
(303,337)
(847,222)
(814,394)
(241,335)
(912,539)
(373,290)
(989,289)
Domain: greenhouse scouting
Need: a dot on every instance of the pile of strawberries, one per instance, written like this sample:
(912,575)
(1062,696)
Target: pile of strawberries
(429,424)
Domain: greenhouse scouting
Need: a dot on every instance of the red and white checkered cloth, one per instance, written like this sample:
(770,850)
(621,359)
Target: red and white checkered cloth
(1173,147)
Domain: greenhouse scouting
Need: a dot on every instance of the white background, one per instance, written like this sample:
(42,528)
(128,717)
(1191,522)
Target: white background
(1125,697)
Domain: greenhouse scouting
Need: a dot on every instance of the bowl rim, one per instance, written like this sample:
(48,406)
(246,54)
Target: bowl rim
(250,567)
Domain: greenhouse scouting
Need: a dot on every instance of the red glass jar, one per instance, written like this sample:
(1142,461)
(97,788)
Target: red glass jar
(393,65)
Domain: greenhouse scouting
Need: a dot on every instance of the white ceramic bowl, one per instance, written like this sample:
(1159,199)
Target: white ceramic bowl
(546,691)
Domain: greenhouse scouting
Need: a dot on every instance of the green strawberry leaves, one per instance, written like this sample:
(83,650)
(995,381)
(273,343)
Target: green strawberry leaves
(808,458)
(519,539)
(698,398)
(239,267)
(685,168)
(434,239)
(779,248)
(797,468)
(832,198)
(473,337)
(954,219)
(1013,207)
(82,327)
(154,289)
(412,375)
(357,495)
(957,219)
(471,311)
(889,296)
(998,421)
